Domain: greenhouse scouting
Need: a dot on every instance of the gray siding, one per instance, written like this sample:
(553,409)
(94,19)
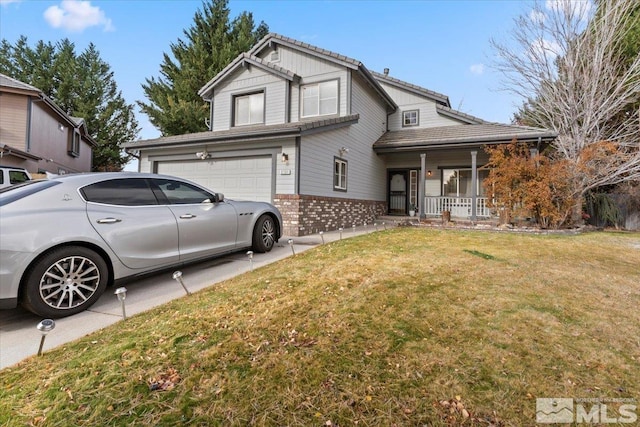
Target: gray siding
(366,171)
(247,80)
(428,115)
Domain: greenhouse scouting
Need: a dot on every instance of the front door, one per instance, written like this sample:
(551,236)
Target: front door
(398,185)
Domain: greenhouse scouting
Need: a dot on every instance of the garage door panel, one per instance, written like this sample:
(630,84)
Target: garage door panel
(246,178)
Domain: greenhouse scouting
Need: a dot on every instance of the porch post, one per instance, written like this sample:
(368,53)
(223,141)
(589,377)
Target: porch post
(474,185)
(421,178)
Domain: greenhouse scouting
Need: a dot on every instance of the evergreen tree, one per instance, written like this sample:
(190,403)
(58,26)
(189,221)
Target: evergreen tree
(82,86)
(209,45)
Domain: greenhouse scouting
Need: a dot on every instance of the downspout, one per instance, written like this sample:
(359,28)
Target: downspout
(474,185)
(421,185)
(296,189)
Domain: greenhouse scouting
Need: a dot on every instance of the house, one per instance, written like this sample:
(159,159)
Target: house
(331,143)
(38,135)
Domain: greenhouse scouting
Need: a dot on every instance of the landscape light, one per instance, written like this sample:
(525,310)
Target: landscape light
(290,241)
(353,228)
(121,293)
(250,255)
(177,276)
(322,236)
(44,327)
(340,230)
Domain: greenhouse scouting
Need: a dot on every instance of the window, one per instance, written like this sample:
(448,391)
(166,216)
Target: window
(180,193)
(340,175)
(249,109)
(410,118)
(74,143)
(16,177)
(457,182)
(122,192)
(320,99)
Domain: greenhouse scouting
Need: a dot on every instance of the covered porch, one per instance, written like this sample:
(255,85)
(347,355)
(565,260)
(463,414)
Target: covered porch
(432,171)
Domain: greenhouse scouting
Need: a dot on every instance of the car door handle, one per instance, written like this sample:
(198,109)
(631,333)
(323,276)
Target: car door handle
(187,216)
(108,220)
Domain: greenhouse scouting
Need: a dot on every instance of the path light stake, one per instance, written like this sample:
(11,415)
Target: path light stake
(375,224)
(384,224)
(44,327)
(177,276)
(353,228)
(340,230)
(250,255)
(121,293)
(290,241)
(322,236)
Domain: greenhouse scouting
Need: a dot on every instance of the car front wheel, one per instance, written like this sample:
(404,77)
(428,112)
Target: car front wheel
(264,234)
(65,281)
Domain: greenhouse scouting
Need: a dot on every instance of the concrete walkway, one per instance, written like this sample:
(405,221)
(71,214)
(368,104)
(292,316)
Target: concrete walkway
(20,339)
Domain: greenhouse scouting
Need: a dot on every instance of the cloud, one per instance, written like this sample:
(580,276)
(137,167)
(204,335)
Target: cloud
(544,51)
(579,8)
(477,69)
(6,2)
(537,16)
(76,16)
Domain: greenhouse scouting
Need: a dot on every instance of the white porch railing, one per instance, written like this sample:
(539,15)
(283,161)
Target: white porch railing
(460,207)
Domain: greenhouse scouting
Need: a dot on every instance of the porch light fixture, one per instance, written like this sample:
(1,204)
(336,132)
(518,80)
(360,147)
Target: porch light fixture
(428,173)
(285,158)
(121,293)
(45,327)
(343,151)
(177,276)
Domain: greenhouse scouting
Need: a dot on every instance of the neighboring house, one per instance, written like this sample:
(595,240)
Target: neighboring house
(331,143)
(39,136)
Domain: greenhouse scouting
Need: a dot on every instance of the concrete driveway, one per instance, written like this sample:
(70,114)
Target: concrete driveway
(20,339)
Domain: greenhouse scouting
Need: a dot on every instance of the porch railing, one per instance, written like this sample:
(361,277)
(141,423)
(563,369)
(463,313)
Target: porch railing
(460,207)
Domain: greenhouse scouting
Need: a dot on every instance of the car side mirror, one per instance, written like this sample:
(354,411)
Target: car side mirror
(219,197)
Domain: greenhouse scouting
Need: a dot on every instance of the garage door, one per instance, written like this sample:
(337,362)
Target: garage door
(240,178)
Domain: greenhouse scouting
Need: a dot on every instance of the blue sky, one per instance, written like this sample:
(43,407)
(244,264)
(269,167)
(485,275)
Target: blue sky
(439,45)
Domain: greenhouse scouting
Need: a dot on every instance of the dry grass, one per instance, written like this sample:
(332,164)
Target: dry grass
(373,330)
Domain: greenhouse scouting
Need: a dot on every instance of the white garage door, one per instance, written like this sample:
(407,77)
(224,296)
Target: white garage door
(241,178)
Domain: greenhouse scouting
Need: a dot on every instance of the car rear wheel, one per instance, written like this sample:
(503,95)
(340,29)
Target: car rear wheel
(264,234)
(65,281)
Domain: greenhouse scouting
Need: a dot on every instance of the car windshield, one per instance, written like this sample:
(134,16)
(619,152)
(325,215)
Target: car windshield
(19,191)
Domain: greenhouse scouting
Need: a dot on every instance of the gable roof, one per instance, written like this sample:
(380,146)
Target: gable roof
(272,39)
(439,98)
(459,135)
(247,133)
(240,61)
(16,86)
(459,115)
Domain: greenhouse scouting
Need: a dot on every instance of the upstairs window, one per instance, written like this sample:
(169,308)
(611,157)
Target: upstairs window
(410,118)
(249,109)
(340,174)
(320,99)
(74,143)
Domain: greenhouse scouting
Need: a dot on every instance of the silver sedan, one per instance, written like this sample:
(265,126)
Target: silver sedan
(62,241)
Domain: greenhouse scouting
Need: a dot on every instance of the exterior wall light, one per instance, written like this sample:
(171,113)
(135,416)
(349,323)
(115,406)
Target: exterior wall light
(285,158)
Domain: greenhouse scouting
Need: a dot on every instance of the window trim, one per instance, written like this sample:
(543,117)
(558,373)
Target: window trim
(404,118)
(337,176)
(337,104)
(74,143)
(234,107)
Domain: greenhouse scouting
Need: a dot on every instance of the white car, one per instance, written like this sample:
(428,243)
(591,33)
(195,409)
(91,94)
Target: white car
(10,175)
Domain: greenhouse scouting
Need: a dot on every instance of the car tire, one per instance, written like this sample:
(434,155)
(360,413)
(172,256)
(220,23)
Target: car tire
(65,281)
(264,234)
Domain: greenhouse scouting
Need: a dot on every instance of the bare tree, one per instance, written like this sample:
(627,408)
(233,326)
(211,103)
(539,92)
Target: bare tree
(566,59)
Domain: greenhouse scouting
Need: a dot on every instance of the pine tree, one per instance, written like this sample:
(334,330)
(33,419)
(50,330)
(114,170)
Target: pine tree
(82,86)
(209,45)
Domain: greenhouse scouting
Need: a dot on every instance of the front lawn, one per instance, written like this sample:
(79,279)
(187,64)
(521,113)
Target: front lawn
(402,327)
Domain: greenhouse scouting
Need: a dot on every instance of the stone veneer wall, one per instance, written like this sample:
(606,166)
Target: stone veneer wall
(303,215)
